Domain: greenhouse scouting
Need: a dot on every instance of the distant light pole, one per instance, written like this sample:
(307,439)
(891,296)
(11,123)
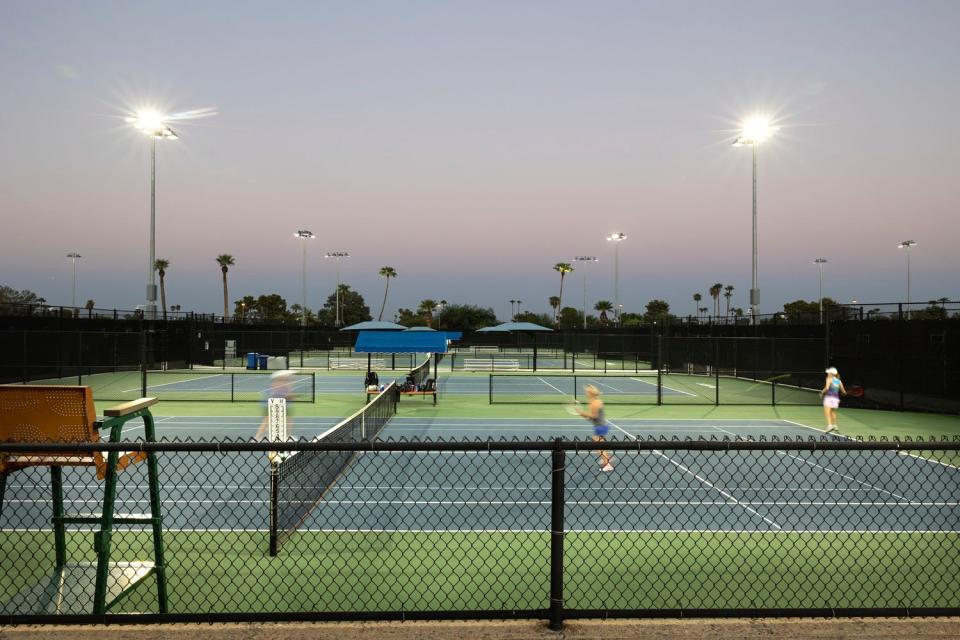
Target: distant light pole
(304,234)
(519,302)
(513,314)
(152,124)
(73,255)
(585,259)
(820,262)
(616,239)
(338,255)
(754,131)
(907,244)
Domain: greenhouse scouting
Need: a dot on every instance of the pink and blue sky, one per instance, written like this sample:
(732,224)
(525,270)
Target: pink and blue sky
(471,146)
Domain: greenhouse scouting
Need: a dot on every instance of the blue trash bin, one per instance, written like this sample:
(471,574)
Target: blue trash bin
(263,361)
(251,361)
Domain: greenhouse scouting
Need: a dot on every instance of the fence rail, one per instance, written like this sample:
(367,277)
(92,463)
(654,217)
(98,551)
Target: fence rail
(533,529)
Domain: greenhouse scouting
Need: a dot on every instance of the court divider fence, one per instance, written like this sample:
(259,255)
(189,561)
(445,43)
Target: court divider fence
(794,526)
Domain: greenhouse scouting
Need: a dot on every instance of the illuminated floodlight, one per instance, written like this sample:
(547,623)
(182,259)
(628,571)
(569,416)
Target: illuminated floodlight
(152,123)
(754,131)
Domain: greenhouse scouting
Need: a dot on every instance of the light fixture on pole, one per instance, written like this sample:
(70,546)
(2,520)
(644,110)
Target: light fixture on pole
(820,262)
(616,239)
(907,244)
(338,255)
(754,131)
(73,255)
(152,124)
(585,259)
(513,313)
(304,234)
(519,302)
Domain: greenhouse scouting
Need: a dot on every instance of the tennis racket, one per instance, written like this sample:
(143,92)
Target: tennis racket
(573,408)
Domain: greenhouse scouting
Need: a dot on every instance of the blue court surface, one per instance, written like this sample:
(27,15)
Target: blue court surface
(665,490)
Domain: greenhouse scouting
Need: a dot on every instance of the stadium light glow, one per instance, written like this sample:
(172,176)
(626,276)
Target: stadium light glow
(585,259)
(304,234)
(616,239)
(753,131)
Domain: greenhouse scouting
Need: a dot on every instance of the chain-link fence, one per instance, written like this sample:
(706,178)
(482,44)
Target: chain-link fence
(505,529)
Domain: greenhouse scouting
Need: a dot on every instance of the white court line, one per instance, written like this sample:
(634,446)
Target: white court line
(906,453)
(553,387)
(706,482)
(686,393)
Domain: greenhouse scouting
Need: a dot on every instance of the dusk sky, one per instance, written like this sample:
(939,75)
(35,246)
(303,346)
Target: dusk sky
(471,146)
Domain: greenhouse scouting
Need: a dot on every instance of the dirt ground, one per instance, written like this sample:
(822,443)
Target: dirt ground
(819,629)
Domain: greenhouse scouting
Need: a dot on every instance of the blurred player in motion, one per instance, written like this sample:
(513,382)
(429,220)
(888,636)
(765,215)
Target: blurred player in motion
(281,386)
(601,427)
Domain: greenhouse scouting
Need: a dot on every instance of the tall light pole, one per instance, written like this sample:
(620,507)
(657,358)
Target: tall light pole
(519,302)
(820,262)
(152,124)
(338,255)
(73,255)
(585,259)
(513,314)
(616,239)
(754,131)
(907,244)
(304,234)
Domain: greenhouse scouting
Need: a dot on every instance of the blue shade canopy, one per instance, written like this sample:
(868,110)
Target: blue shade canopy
(508,327)
(374,325)
(401,342)
(419,329)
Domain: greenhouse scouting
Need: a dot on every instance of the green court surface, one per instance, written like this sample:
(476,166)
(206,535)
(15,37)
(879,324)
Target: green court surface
(230,571)
(369,559)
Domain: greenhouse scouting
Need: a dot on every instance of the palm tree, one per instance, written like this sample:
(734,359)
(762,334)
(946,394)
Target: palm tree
(161,265)
(386,272)
(703,311)
(89,307)
(426,310)
(555,305)
(603,306)
(697,298)
(225,260)
(563,268)
(728,293)
(715,294)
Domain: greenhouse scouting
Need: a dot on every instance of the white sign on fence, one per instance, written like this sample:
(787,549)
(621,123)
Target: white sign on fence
(277,422)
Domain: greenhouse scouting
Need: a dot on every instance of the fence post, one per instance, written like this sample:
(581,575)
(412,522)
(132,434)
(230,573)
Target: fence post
(556,536)
(659,370)
(716,371)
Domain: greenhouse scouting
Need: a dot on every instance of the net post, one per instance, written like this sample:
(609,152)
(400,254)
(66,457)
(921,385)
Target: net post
(232,375)
(773,391)
(274,500)
(490,389)
(313,387)
(556,535)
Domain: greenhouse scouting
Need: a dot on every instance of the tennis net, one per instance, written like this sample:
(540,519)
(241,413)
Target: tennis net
(300,480)
(422,372)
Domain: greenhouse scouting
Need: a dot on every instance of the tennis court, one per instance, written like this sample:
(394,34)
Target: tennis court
(648,488)
(470,529)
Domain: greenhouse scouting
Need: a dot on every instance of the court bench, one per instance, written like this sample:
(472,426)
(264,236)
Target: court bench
(65,415)
(407,393)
